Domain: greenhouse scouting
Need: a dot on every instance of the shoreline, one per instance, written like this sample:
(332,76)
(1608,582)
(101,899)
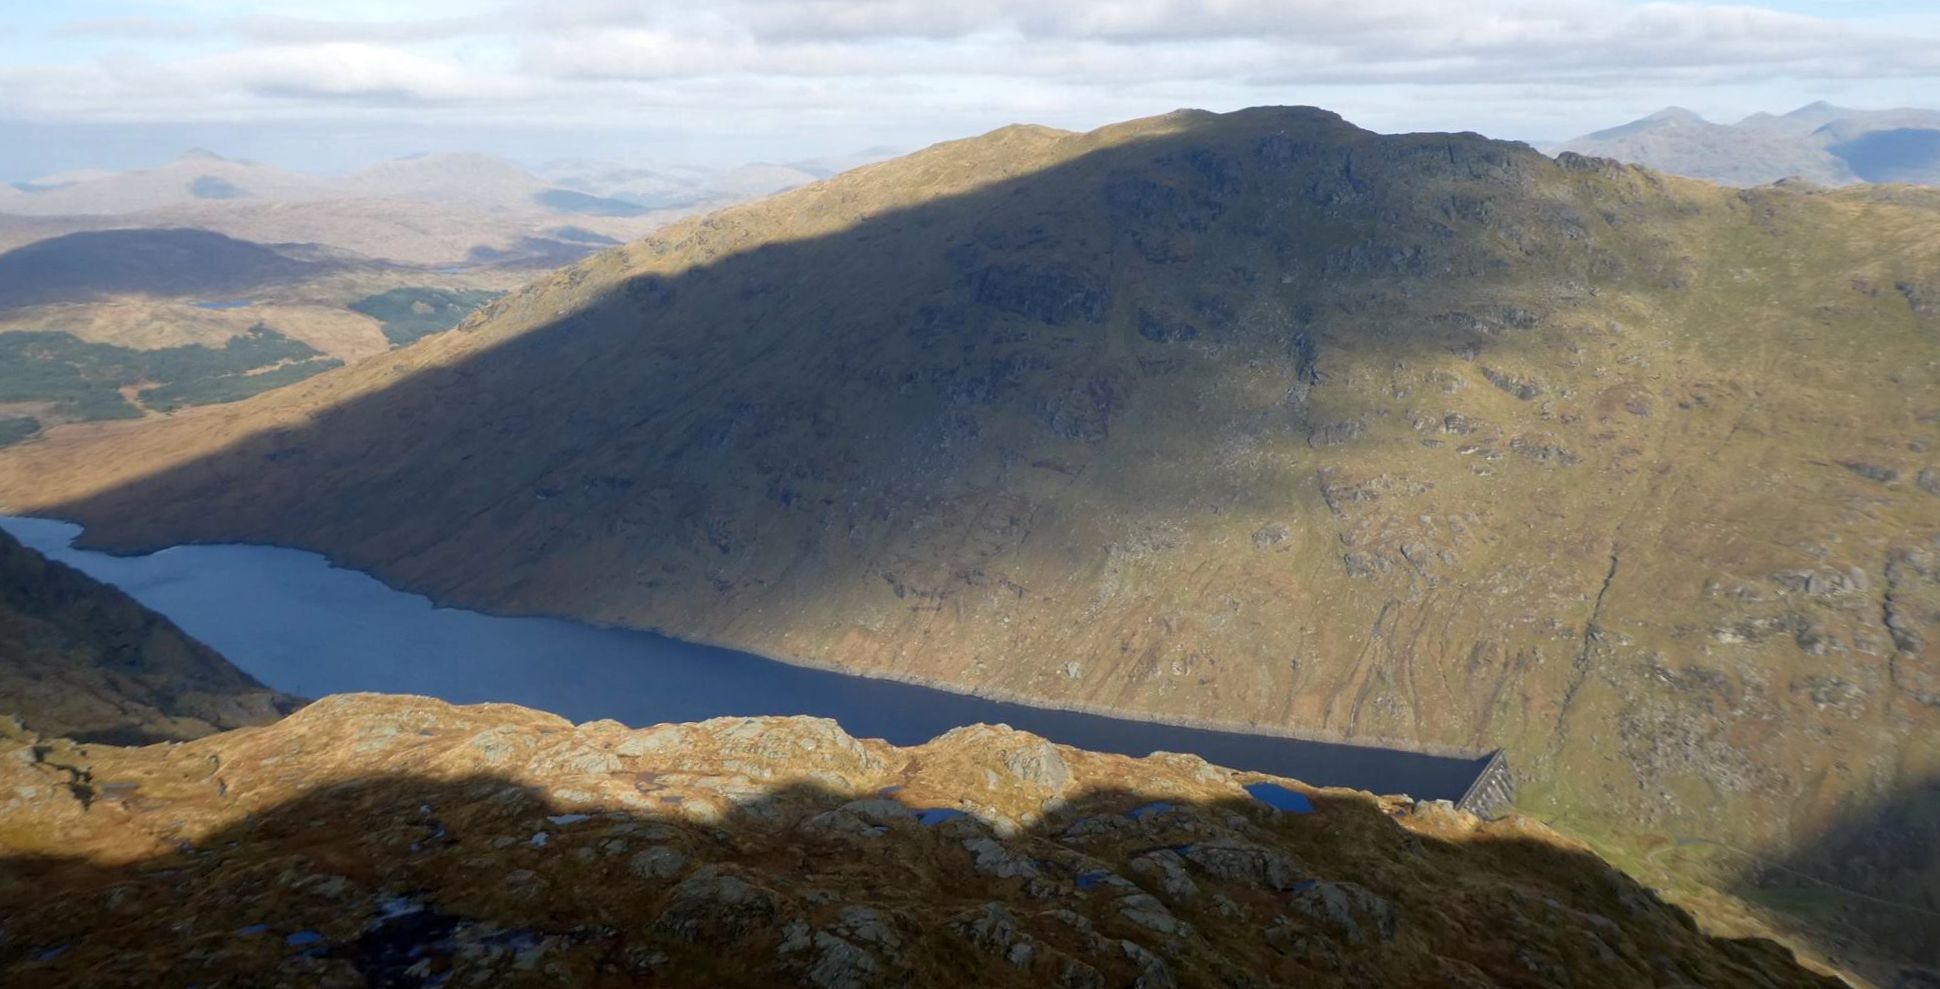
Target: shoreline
(993,694)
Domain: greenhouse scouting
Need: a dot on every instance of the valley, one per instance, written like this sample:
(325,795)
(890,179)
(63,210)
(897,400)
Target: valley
(1247,419)
(123,324)
(131,293)
(293,622)
(867,494)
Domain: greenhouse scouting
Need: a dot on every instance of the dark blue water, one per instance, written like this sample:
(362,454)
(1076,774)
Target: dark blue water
(299,624)
(1280,798)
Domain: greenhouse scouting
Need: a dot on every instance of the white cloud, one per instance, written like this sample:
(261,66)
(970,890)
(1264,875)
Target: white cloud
(1485,64)
(344,70)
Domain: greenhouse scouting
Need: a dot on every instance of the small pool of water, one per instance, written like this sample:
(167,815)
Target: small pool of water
(225,304)
(1280,798)
(300,625)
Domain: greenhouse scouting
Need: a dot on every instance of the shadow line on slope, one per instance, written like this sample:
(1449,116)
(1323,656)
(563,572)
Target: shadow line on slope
(1890,846)
(409,881)
(884,472)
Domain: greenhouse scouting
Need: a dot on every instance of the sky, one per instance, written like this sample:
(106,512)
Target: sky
(328,86)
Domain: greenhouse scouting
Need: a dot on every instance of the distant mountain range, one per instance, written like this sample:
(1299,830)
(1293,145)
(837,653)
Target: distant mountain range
(1821,143)
(432,210)
(1251,418)
(461,178)
(208,279)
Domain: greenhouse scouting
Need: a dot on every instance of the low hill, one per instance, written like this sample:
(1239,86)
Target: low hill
(196,175)
(1255,418)
(395,841)
(80,659)
(475,180)
(427,235)
(174,262)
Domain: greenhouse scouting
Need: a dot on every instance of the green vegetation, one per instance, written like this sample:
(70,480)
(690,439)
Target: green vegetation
(83,380)
(231,387)
(410,314)
(86,380)
(13,430)
(1255,417)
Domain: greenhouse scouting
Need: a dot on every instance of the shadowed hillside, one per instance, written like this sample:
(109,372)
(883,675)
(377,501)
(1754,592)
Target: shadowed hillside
(1248,418)
(388,841)
(153,262)
(81,659)
(1888,847)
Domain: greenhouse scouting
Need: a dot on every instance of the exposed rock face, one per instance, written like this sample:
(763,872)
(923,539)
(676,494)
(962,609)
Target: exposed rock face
(81,659)
(1253,417)
(399,841)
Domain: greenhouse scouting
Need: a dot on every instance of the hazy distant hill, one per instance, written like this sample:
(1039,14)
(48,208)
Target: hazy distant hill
(650,188)
(468,180)
(828,165)
(195,176)
(760,179)
(668,187)
(1254,417)
(1820,143)
(436,210)
(475,180)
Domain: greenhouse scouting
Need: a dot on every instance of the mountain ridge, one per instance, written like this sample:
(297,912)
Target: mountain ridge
(1818,142)
(1254,415)
(380,838)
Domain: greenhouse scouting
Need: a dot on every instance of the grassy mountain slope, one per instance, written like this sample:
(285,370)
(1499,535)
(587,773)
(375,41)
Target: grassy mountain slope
(1251,418)
(83,660)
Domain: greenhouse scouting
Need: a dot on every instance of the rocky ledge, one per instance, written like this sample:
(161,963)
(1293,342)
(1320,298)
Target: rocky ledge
(400,841)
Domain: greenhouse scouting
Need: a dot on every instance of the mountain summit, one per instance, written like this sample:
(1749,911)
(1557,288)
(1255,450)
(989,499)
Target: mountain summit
(1250,418)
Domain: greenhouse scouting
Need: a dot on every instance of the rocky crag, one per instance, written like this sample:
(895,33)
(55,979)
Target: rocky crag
(82,660)
(375,840)
(1255,418)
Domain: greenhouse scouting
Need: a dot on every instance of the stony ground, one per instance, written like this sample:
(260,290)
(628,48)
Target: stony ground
(1256,417)
(398,841)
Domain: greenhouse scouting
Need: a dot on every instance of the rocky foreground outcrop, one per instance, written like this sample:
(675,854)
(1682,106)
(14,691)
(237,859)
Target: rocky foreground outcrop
(1258,418)
(80,659)
(400,841)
